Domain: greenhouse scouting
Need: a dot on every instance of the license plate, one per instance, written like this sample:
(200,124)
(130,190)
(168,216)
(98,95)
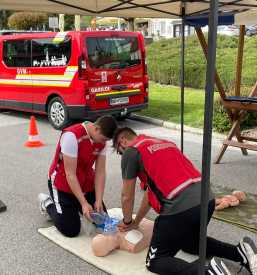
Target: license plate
(120,100)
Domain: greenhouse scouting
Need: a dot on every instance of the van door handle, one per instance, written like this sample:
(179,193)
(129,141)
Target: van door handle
(119,88)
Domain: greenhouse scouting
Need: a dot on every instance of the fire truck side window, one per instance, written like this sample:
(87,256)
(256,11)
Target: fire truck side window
(17,53)
(48,53)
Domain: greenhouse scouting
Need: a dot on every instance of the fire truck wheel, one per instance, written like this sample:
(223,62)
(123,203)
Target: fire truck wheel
(58,114)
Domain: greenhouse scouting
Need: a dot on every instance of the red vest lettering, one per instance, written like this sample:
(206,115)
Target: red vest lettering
(169,169)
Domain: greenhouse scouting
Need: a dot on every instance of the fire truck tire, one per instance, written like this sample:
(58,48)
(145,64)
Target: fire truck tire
(58,114)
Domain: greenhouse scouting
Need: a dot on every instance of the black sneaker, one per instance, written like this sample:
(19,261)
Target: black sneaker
(248,252)
(217,267)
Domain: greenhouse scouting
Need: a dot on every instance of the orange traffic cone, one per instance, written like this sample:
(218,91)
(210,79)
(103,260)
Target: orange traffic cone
(33,135)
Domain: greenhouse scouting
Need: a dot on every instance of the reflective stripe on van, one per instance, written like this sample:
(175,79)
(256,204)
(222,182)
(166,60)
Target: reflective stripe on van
(113,93)
(60,36)
(44,80)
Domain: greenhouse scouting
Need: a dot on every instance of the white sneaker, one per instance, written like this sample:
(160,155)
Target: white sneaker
(41,198)
(217,267)
(248,251)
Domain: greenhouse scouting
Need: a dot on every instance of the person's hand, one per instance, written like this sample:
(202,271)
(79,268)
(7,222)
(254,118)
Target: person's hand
(130,227)
(98,206)
(86,208)
(124,228)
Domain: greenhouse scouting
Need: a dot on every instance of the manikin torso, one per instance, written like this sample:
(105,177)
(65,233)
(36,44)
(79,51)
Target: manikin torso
(103,244)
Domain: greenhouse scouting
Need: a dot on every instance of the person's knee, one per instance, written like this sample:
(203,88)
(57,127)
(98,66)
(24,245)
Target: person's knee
(69,229)
(150,265)
(70,232)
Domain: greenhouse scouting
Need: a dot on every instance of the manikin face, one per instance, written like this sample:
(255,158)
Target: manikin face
(240,195)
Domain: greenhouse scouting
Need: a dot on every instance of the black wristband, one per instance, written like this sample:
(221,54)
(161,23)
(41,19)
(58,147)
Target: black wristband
(127,223)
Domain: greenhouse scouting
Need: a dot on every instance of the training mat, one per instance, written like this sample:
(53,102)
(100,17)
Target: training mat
(244,215)
(116,262)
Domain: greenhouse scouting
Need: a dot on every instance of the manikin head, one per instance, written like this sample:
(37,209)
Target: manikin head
(240,195)
(103,129)
(122,138)
(102,245)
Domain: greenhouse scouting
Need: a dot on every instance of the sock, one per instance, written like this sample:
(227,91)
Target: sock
(47,202)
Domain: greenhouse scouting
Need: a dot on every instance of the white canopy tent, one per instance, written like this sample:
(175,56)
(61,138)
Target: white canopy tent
(124,8)
(158,9)
(246,18)
(114,20)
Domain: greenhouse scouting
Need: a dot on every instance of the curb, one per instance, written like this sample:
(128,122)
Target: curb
(171,125)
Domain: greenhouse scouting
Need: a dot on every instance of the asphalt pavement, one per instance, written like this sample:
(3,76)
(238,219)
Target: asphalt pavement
(23,175)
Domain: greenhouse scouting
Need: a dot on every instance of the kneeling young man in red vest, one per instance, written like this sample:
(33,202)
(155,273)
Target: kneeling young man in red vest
(173,190)
(74,186)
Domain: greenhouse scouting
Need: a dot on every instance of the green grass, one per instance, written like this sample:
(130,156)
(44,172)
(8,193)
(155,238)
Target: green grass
(164,104)
(164,61)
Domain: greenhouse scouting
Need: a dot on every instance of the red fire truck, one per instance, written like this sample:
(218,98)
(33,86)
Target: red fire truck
(77,74)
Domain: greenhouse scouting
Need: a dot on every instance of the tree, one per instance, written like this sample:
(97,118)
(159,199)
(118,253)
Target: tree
(69,22)
(86,21)
(131,23)
(4,14)
(26,20)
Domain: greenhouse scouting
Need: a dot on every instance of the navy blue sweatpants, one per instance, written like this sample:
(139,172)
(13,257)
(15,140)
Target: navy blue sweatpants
(181,232)
(65,210)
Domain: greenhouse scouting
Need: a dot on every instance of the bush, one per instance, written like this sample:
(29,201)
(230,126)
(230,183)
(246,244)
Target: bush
(164,61)
(221,121)
(26,20)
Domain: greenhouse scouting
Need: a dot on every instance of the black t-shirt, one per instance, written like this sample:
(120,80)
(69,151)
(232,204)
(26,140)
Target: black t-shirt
(132,164)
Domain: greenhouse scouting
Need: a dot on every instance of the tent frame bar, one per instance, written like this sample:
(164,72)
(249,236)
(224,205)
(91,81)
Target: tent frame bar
(149,6)
(224,4)
(207,133)
(182,80)
(71,6)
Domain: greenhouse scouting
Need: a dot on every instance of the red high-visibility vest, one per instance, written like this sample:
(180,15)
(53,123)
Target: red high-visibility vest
(169,169)
(87,153)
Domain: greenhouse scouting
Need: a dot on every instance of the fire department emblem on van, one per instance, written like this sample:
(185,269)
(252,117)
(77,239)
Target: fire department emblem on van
(118,78)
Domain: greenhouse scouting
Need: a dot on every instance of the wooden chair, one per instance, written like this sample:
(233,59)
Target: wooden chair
(234,117)
(242,108)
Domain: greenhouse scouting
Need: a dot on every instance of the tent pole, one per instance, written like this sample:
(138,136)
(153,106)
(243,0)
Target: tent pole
(207,135)
(182,80)
(239,64)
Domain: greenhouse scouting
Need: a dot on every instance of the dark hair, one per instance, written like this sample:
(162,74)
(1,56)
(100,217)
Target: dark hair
(107,124)
(124,132)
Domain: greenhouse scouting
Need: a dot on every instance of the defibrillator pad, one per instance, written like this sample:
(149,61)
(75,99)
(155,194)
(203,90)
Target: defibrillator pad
(134,236)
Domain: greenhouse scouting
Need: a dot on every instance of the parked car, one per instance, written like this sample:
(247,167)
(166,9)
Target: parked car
(228,30)
(249,30)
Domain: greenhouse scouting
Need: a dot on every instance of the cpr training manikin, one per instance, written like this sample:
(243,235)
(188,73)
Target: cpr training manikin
(133,241)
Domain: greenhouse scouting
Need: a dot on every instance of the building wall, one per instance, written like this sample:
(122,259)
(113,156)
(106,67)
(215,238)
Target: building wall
(169,28)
